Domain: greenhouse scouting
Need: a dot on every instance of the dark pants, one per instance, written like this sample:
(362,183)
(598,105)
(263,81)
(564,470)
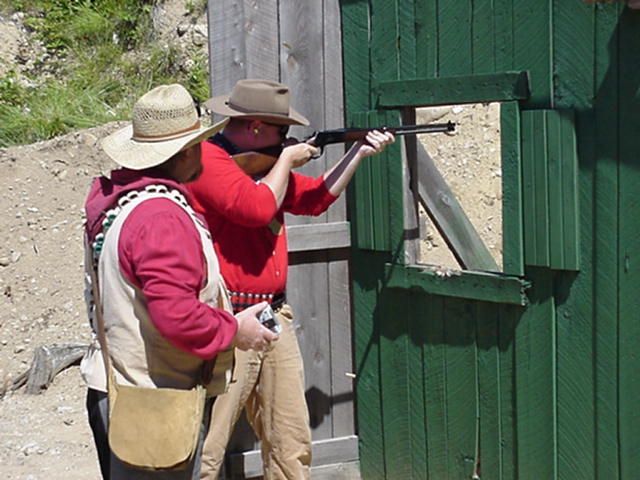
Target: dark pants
(98,412)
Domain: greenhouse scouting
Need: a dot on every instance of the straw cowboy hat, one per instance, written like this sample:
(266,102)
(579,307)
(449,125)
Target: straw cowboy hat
(164,122)
(257,99)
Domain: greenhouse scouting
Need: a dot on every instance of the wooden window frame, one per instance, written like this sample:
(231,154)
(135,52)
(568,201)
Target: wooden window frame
(507,88)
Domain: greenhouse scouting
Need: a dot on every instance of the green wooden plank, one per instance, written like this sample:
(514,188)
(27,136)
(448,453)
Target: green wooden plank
(482,286)
(460,372)
(392,159)
(419,319)
(362,227)
(509,317)
(407,40)
(454,38)
(366,275)
(355,52)
(362,210)
(569,175)
(371,190)
(536,381)
(436,393)
(483,46)
(379,204)
(503,33)
(556,204)
(541,189)
(394,366)
(380,189)
(629,246)
(529,205)
(385,54)
(532,48)
(599,193)
(453,89)
(512,218)
(357,90)
(426,24)
(574,90)
(575,386)
(489,402)
(573,28)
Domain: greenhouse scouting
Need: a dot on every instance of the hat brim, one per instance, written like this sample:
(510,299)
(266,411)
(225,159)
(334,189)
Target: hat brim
(220,105)
(136,155)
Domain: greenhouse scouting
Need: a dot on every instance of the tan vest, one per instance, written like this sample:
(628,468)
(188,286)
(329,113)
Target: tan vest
(139,354)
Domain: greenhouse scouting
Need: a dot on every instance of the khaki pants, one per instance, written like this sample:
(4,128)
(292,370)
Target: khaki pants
(270,387)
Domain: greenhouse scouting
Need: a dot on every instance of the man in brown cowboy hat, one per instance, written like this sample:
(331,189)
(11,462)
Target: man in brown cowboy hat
(164,316)
(246,218)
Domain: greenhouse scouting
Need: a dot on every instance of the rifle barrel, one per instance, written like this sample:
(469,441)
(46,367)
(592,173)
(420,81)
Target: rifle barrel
(426,128)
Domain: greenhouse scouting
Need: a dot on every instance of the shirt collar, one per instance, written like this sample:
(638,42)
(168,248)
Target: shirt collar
(223,142)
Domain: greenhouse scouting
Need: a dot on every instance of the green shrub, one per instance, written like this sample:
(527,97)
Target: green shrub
(105,61)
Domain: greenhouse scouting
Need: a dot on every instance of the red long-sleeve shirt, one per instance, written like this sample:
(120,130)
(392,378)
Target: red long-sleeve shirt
(160,252)
(246,225)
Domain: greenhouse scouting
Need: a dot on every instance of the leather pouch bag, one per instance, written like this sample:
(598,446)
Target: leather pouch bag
(154,428)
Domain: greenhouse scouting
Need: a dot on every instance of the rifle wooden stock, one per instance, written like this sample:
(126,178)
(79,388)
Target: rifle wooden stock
(257,162)
(253,163)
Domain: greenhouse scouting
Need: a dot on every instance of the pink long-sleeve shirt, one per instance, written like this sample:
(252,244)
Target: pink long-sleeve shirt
(247,227)
(160,252)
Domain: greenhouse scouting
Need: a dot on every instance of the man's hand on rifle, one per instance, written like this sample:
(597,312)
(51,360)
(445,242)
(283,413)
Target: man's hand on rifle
(374,142)
(297,154)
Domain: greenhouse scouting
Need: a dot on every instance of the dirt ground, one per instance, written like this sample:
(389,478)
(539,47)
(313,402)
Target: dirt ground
(42,190)
(469,161)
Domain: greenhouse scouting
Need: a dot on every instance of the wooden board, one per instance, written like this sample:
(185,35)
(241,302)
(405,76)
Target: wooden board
(512,210)
(535,188)
(394,321)
(242,42)
(532,48)
(366,275)
(436,414)
(599,197)
(460,372)
(453,90)
(454,38)
(509,317)
(536,388)
(488,385)
(426,32)
(483,286)
(629,247)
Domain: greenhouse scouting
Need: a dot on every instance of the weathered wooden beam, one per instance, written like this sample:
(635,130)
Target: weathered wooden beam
(325,452)
(318,236)
(453,90)
(484,286)
(243,42)
(449,217)
(50,360)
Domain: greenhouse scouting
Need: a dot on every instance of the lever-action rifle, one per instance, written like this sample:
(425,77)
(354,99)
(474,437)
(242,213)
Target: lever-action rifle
(259,161)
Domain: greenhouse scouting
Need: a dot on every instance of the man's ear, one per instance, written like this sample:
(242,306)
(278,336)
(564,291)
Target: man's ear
(254,126)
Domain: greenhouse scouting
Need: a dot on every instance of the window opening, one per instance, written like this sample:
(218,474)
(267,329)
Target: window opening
(469,161)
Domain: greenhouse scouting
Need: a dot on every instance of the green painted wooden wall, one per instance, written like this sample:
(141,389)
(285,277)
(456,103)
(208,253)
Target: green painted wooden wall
(457,376)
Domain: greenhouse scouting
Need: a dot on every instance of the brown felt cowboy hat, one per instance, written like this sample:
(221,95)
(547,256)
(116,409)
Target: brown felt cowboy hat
(257,99)
(164,122)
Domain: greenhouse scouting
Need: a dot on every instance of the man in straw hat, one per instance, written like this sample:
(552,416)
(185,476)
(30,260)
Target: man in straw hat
(164,317)
(246,218)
